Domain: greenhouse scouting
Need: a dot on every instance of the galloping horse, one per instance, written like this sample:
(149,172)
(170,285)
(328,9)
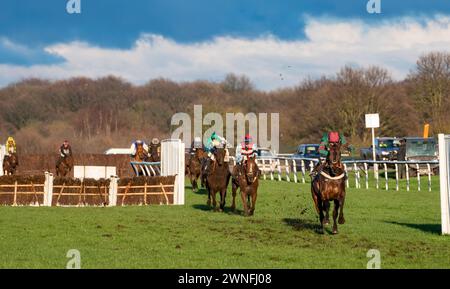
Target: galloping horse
(154,153)
(328,186)
(218,178)
(195,167)
(10,164)
(141,156)
(245,178)
(64,166)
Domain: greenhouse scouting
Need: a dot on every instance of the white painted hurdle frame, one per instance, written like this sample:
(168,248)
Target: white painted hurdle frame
(2,155)
(444,181)
(355,166)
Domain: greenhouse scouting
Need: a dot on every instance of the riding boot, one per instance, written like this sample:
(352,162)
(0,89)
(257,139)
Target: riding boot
(317,169)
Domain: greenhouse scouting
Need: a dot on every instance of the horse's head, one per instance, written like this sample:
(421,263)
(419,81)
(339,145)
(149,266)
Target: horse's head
(199,153)
(334,155)
(219,155)
(251,170)
(140,152)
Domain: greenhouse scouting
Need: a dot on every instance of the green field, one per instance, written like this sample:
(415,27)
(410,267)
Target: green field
(403,226)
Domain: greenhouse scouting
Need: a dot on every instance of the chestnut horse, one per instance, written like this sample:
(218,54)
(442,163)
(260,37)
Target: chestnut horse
(141,156)
(65,166)
(328,186)
(195,167)
(10,164)
(246,178)
(218,178)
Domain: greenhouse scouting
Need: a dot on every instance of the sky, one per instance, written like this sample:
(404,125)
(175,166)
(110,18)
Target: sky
(275,43)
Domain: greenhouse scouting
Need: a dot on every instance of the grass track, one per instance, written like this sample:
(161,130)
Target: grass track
(404,226)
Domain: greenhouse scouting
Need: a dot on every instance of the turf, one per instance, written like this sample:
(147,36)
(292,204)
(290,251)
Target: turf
(403,226)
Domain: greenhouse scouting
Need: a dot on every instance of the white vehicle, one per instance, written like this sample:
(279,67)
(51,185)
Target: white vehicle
(266,160)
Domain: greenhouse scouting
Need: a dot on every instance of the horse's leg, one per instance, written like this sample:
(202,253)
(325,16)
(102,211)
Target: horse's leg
(192,178)
(321,216)
(335,214)
(244,202)
(327,212)
(233,193)
(341,211)
(314,192)
(223,195)
(209,195)
(214,202)
(254,196)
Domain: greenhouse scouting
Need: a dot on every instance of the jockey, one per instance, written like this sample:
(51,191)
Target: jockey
(134,146)
(327,138)
(246,150)
(214,142)
(155,146)
(65,150)
(11,147)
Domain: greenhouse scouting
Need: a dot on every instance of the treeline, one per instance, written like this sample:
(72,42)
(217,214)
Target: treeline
(110,112)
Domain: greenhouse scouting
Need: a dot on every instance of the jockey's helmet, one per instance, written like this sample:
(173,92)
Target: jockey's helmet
(66,142)
(155,141)
(333,137)
(248,138)
(214,135)
(10,139)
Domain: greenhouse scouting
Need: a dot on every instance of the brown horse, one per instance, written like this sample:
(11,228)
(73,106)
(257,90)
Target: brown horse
(141,154)
(328,186)
(10,164)
(218,178)
(195,167)
(64,166)
(154,151)
(245,177)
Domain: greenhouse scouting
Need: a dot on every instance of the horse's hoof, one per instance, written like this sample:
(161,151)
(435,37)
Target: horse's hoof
(326,222)
(334,232)
(208,203)
(233,208)
(320,231)
(341,221)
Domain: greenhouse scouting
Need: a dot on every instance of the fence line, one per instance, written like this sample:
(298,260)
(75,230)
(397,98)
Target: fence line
(294,170)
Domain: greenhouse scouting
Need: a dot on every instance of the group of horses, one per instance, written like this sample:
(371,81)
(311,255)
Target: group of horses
(11,162)
(142,155)
(218,176)
(328,186)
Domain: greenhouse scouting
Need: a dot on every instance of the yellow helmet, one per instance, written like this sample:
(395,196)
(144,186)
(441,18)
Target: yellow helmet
(10,139)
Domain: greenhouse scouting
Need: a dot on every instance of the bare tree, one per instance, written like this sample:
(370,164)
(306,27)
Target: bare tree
(430,85)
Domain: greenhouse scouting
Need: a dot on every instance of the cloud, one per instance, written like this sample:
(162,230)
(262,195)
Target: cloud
(270,62)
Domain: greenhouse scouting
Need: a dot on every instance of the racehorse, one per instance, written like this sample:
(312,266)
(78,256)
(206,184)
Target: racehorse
(195,167)
(246,178)
(64,166)
(217,179)
(141,156)
(10,164)
(154,153)
(328,186)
